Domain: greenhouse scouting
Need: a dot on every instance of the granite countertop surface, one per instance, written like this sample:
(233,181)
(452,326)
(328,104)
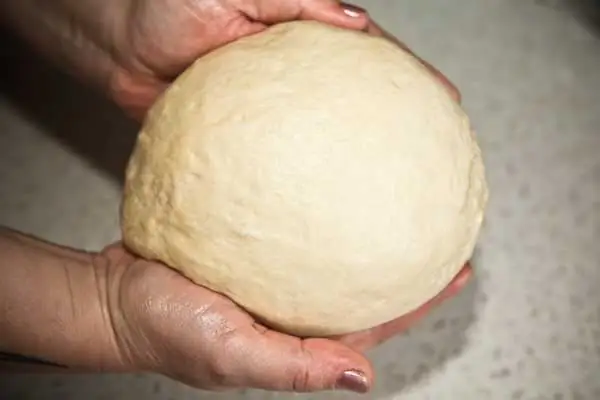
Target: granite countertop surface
(528,327)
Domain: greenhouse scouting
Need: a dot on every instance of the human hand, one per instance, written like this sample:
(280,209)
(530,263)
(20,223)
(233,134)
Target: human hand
(162,40)
(166,324)
(133,49)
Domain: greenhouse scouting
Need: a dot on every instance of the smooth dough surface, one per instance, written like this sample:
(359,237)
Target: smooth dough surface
(320,178)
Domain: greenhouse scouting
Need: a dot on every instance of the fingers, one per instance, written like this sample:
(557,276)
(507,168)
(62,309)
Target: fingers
(326,11)
(332,12)
(365,340)
(265,359)
(261,358)
(335,13)
(374,29)
(134,93)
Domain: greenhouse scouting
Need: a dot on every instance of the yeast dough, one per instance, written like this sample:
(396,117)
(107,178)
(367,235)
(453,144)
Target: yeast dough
(321,178)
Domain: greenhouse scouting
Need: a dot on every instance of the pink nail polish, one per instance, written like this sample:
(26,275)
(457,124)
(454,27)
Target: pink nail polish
(354,381)
(353,11)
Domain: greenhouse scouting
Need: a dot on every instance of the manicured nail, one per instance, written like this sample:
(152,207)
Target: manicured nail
(354,381)
(464,276)
(353,11)
(458,284)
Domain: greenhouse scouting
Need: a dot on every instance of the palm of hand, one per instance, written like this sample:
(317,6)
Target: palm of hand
(165,323)
(164,39)
(161,40)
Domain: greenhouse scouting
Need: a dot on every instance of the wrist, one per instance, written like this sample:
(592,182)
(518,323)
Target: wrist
(54,306)
(109,266)
(128,305)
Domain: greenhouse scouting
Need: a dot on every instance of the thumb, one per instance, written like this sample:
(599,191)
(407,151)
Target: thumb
(327,11)
(274,361)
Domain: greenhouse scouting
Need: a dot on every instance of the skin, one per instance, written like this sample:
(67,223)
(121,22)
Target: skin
(112,311)
(155,64)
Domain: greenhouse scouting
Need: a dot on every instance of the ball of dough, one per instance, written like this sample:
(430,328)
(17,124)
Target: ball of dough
(321,178)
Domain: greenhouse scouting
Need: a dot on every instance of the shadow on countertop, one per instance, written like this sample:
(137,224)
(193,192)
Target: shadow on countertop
(586,11)
(71,113)
(99,132)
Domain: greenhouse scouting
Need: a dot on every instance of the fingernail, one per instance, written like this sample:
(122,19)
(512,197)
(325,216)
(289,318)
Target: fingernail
(354,381)
(464,276)
(458,284)
(353,11)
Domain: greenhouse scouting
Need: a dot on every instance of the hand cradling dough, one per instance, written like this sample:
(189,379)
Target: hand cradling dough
(321,178)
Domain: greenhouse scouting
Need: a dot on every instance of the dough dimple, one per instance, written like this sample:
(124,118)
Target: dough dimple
(321,178)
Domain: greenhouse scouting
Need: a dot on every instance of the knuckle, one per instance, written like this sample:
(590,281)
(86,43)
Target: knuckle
(222,366)
(218,375)
(301,379)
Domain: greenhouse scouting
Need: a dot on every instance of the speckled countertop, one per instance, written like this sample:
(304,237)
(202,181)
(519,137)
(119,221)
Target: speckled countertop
(527,328)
